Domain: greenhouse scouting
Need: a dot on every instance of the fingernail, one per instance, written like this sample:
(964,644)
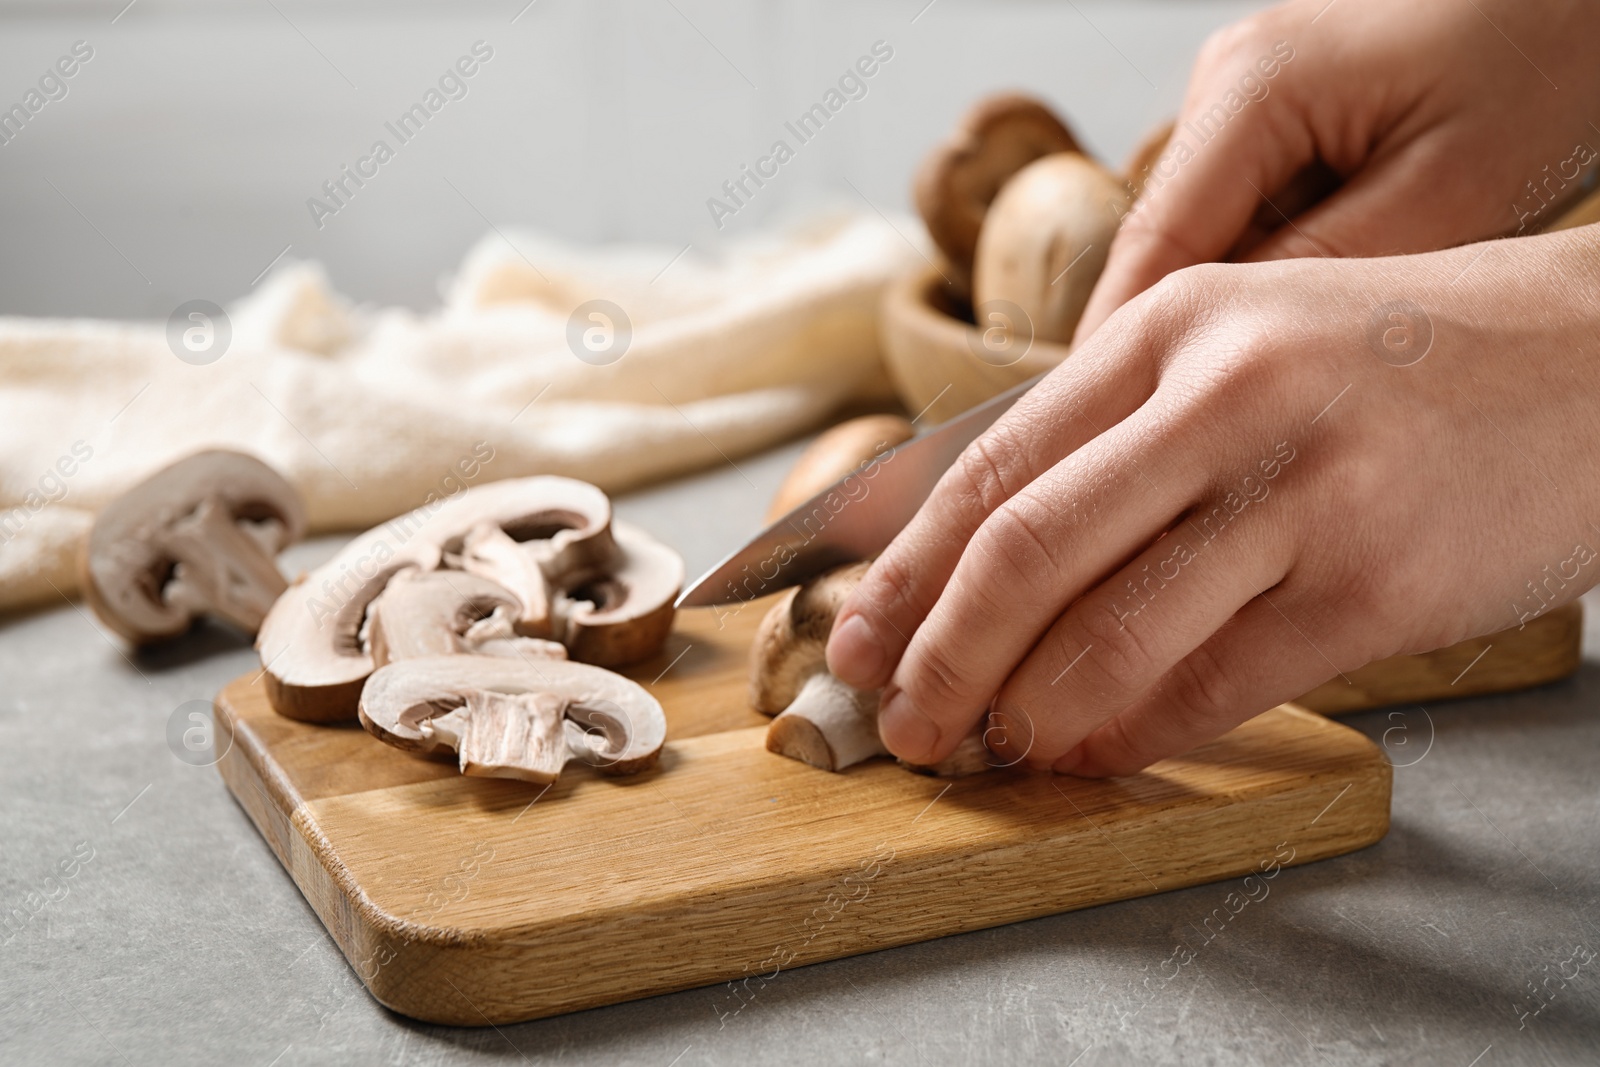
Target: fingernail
(909,733)
(855,654)
(1069,763)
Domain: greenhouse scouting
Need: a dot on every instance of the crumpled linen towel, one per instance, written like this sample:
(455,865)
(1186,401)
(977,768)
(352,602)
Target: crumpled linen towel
(368,412)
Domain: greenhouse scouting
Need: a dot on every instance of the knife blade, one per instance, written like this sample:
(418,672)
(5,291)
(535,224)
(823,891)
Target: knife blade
(853,519)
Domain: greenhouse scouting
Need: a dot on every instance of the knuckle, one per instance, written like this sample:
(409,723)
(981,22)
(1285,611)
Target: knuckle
(1115,661)
(983,473)
(1200,691)
(938,682)
(890,587)
(1017,544)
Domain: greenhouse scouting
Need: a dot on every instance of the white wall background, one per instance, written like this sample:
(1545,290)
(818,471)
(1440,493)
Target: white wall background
(192,139)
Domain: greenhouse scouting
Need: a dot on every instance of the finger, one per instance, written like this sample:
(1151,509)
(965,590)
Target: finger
(1257,661)
(1099,386)
(1031,558)
(1119,640)
(1202,194)
(1394,206)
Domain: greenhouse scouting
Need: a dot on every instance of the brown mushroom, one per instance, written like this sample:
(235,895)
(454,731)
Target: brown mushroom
(851,445)
(819,719)
(955,184)
(507,718)
(199,537)
(313,642)
(441,613)
(622,613)
(1045,241)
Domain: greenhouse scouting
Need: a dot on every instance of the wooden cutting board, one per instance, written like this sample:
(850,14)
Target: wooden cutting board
(474,901)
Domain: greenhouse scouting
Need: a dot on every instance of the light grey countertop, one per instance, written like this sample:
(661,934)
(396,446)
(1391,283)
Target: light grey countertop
(181,940)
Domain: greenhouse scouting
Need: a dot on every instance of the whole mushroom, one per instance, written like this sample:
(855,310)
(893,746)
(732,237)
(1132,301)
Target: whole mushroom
(199,537)
(1045,241)
(819,719)
(959,179)
(508,718)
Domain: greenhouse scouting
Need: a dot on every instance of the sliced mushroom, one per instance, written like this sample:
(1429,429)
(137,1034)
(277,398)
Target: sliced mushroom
(441,613)
(623,613)
(509,718)
(490,552)
(312,642)
(821,720)
(200,537)
(959,179)
(1045,241)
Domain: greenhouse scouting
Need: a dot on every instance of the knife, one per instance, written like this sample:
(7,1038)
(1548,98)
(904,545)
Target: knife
(853,519)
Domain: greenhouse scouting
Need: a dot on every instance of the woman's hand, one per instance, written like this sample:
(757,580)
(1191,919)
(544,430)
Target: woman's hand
(1251,478)
(1449,121)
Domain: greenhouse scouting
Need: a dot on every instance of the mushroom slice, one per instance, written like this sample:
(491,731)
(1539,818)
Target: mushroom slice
(489,551)
(199,537)
(312,642)
(622,614)
(957,181)
(821,720)
(1045,241)
(496,635)
(442,613)
(514,719)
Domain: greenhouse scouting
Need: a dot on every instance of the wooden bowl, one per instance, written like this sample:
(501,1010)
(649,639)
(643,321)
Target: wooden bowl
(937,358)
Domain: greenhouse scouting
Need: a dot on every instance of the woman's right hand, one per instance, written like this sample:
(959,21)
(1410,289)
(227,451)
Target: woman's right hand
(1449,121)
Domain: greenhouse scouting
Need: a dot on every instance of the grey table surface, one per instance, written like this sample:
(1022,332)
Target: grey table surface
(181,940)
(178,167)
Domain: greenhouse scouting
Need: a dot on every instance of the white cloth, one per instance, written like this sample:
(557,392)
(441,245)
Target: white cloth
(368,411)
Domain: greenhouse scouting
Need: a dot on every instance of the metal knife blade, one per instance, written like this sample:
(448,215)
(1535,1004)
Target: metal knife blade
(853,519)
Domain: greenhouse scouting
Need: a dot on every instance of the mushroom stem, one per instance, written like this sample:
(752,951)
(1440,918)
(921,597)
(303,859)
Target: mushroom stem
(221,567)
(970,757)
(505,735)
(828,725)
(491,553)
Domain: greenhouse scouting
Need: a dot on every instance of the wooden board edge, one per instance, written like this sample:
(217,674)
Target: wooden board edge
(1544,650)
(462,984)
(440,975)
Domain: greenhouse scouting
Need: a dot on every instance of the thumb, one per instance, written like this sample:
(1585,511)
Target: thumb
(1201,194)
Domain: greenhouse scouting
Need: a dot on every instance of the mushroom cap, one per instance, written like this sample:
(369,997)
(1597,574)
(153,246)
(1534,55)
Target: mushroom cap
(622,613)
(311,641)
(848,446)
(1046,238)
(428,613)
(187,517)
(958,180)
(625,724)
(791,643)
